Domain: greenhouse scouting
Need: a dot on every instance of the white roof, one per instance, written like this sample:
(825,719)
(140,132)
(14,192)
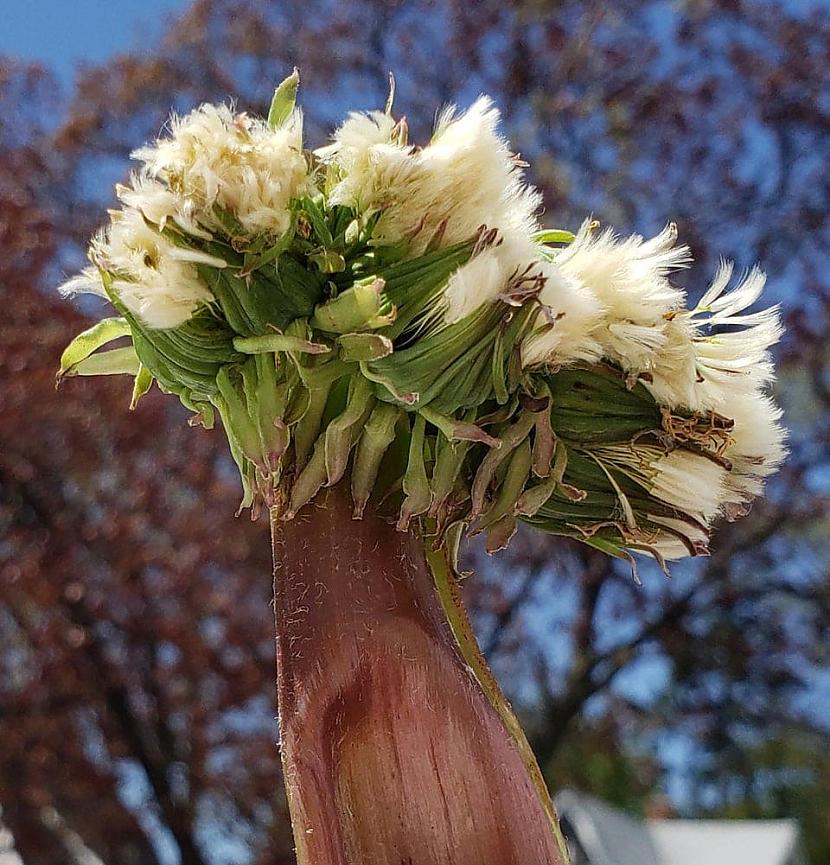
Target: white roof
(725,842)
(607,835)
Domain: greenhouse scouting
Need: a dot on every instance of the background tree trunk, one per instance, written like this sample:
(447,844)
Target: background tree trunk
(393,751)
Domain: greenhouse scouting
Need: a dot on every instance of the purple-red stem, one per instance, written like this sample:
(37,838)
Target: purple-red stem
(394,746)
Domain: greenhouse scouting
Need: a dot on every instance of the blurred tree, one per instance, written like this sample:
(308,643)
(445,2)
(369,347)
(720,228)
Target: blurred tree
(136,656)
(137,661)
(789,775)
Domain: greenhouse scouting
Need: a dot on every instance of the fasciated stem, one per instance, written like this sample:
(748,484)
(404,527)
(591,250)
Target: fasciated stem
(397,745)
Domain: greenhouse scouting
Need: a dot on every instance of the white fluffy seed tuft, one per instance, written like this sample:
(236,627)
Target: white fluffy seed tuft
(154,279)
(215,158)
(465,178)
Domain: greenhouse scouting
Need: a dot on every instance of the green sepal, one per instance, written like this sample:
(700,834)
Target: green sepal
(176,359)
(377,435)
(356,347)
(499,375)
(142,383)
(597,388)
(544,439)
(518,470)
(449,368)
(339,435)
(449,459)
(236,413)
(307,428)
(84,344)
(309,481)
(243,464)
(273,342)
(388,387)
(501,533)
(284,99)
(534,497)
(587,504)
(554,235)
(203,411)
(267,396)
(511,438)
(415,481)
(456,430)
(116,361)
(363,306)
(322,374)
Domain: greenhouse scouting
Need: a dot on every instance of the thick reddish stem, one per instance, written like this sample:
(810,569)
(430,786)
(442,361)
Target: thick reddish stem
(393,754)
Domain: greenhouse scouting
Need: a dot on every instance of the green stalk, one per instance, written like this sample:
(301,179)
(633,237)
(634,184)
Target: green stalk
(397,744)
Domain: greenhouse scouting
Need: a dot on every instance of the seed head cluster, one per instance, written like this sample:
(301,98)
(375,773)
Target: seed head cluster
(395,316)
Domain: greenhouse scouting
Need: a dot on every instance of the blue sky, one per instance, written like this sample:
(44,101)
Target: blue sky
(62,33)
